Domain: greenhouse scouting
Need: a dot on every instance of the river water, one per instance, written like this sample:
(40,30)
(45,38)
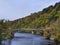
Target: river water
(27,39)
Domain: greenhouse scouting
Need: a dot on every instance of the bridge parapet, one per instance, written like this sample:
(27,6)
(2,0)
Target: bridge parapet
(28,29)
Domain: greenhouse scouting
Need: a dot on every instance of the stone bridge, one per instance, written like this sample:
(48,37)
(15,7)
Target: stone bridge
(30,30)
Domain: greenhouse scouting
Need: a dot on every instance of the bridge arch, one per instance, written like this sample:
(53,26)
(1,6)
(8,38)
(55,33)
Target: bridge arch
(33,31)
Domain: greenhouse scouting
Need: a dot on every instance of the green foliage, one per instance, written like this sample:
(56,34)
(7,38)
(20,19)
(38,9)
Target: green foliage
(57,26)
(4,29)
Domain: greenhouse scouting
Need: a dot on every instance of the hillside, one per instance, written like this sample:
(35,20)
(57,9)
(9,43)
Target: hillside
(38,19)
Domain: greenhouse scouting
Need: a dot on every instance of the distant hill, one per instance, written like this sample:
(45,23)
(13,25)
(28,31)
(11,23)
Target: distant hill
(38,19)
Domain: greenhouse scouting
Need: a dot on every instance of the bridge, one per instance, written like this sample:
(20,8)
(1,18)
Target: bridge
(37,31)
(33,30)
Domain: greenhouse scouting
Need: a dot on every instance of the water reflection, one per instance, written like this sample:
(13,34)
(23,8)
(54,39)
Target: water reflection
(27,39)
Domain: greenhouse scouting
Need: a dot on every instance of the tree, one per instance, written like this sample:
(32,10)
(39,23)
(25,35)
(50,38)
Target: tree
(2,29)
(57,25)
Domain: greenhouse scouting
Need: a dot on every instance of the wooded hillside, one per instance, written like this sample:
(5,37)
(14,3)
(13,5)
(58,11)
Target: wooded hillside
(38,19)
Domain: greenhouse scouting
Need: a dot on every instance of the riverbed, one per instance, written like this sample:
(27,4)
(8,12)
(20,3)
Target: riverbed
(27,39)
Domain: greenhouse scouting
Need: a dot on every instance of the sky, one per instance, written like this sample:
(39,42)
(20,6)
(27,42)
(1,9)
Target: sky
(15,9)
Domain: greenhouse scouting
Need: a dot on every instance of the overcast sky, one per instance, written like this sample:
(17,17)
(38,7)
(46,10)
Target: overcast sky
(15,9)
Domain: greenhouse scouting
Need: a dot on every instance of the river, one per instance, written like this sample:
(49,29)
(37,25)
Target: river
(27,39)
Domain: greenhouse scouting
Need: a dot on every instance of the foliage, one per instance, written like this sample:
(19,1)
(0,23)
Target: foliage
(4,29)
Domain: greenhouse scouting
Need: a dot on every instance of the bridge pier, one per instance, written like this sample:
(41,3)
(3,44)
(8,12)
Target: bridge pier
(33,32)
